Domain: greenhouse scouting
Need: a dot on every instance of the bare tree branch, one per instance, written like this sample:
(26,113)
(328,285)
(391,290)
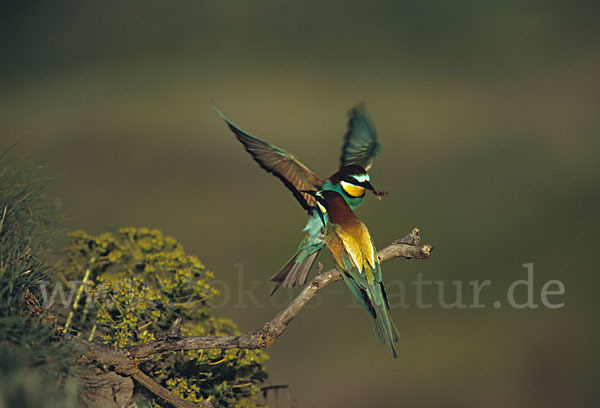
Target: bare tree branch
(407,247)
(125,360)
(123,364)
(165,394)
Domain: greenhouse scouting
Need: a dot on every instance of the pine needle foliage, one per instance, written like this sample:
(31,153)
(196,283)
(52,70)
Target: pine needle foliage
(132,285)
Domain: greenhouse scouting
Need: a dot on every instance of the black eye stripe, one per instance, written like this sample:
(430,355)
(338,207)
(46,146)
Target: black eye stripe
(354,182)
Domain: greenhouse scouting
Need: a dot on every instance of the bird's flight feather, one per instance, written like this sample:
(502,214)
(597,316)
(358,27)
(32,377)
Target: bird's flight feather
(360,142)
(291,171)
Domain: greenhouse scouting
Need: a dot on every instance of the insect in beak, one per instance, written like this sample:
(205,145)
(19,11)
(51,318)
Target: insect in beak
(369,186)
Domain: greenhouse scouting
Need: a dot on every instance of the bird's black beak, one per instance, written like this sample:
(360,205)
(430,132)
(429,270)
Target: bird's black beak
(370,187)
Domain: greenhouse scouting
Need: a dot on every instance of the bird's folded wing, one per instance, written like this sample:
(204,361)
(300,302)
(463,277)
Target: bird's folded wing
(359,246)
(353,248)
(367,247)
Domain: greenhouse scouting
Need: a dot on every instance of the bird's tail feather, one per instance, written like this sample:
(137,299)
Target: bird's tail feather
(294,273)
(385,329)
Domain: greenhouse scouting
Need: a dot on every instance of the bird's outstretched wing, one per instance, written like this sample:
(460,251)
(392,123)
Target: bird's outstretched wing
(291,171)
(360,142)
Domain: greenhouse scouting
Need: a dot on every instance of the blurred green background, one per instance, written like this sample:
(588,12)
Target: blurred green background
(488,117)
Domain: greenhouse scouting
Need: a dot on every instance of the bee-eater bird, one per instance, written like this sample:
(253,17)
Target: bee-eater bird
(355,256)
(351,181)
